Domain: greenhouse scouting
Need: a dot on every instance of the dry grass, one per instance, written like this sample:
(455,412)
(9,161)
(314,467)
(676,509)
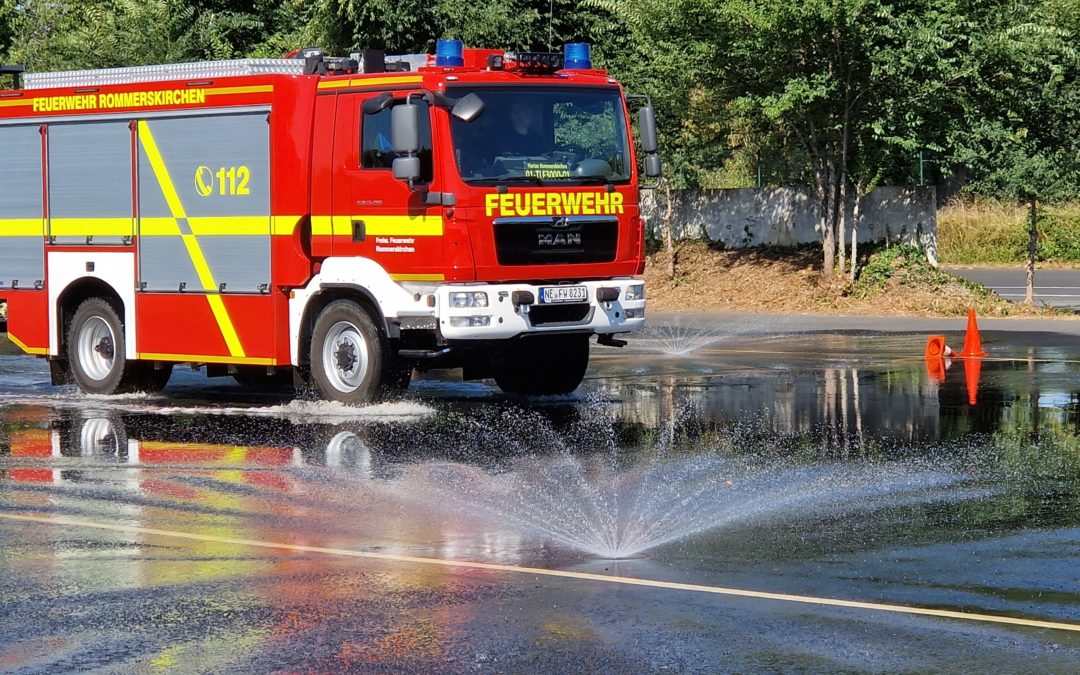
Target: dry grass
(790,281)
(988,231)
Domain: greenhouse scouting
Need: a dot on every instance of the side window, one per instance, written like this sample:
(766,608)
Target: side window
(377,150)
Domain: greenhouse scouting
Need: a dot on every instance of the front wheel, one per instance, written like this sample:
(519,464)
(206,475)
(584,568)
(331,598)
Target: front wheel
(348,354)
(544,365)
(95,346)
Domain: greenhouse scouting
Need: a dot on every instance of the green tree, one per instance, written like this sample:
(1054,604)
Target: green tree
(821,79)
(1020,135)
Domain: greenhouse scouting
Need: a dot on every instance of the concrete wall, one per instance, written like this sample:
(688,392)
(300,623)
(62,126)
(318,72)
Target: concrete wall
(746,217)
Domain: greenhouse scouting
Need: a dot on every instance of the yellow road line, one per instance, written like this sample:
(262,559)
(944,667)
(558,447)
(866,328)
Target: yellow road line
(583,576)
(191,243)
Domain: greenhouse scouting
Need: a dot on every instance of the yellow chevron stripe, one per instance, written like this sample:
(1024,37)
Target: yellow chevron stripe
(371,82)
(191,243)
(22,227)
(91,227)
(380,225)
(29,350)
(204,358)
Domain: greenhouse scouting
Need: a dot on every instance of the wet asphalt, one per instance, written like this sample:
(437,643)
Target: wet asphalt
(785,456)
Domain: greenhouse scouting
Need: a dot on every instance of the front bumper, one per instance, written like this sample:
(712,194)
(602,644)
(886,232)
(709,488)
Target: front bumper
(504,318)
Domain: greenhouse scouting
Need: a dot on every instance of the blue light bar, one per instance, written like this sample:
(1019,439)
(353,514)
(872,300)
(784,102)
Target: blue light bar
(450,53)
(576,56)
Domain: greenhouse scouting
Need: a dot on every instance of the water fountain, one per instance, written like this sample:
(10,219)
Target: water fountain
(680,339)
(580,488)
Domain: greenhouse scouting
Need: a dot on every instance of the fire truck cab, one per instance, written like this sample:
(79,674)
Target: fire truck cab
(336,222)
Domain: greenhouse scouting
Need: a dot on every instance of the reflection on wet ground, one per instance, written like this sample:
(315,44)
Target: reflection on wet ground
(833,465)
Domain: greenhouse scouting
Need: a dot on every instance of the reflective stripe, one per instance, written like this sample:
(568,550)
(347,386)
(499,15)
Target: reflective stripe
(257,89)
(401,226)
(22,227)
(191,243)
(203,358)
(371,82)
(208,226)
(16,102)
(91,227)
(418,277)
(29,350)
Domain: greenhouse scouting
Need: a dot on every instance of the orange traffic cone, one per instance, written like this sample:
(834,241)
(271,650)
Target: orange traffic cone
(935,370)
(972,370)
(972,341)
(936,347)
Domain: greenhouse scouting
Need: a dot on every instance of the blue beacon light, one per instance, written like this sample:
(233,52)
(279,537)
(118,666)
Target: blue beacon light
(576,56)
(450,53)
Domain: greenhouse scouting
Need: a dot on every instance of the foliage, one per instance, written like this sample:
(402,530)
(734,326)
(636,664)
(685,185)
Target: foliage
(991,231)
(904,265)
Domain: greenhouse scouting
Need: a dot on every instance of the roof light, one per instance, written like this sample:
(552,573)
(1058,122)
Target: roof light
(576,56)
(534,62)
(450,53)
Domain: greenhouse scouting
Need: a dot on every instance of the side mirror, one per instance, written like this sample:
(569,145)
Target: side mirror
(406,168)
(405,138)
(647,128)
(652,166)
(405,128)
(468,108)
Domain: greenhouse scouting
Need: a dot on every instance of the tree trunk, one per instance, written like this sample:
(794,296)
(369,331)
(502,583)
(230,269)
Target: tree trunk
(669,222)
(855,232)
(828,239)
(1033,241)
(841,223)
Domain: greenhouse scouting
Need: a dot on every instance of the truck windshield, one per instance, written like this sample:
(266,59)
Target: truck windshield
(543,135)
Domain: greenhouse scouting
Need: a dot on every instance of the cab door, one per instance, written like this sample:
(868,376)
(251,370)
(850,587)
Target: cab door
(374,214)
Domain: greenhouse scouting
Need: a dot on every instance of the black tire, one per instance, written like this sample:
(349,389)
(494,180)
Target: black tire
(150,379)
(95,349)
(544,366)
(349,354)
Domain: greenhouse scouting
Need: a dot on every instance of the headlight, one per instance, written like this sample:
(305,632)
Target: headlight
(459,300)
(469,321)
(635,292)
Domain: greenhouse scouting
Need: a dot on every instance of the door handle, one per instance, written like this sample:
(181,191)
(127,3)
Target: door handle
(359,231)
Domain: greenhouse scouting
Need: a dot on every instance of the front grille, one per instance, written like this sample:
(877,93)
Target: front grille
(540,315)
(552,241)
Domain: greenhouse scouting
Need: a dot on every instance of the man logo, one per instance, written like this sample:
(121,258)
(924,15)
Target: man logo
(559,239)
(560,222)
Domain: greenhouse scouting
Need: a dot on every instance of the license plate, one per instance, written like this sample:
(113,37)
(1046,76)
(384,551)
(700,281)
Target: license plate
(563,294)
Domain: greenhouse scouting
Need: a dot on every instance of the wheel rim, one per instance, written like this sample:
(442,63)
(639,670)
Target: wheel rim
(98,437)
(97,348)
(345,357)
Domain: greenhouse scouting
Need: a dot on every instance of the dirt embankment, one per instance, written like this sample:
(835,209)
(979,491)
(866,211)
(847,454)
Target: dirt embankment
(892,282)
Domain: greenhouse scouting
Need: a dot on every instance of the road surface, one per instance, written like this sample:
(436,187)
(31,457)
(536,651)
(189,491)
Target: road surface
(1057,288)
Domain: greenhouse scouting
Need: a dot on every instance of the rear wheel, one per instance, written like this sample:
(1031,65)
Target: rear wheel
(349,360)
(544,365)
(95,347)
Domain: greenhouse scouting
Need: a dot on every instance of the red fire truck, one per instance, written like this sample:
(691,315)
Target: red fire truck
(339,221)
